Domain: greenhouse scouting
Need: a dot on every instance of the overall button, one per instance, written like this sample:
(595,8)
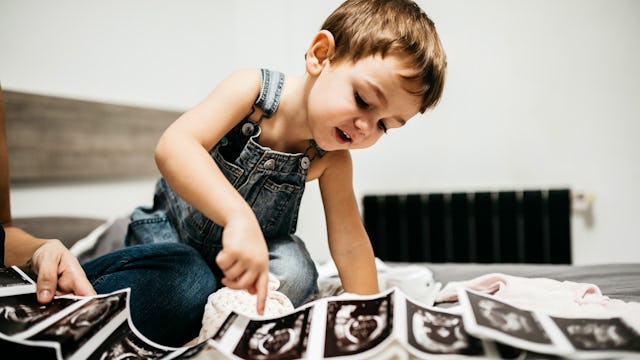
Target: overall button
(270,164)
(247,129)
(305,162)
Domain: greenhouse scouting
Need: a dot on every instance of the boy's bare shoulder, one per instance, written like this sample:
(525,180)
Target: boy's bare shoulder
(249,77)
(247,73)
(237,92)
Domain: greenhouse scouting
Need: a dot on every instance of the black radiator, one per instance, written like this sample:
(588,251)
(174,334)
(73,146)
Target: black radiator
(531,226)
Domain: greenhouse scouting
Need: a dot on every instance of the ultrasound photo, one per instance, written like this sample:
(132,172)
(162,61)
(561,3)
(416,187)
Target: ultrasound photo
(507,319)
(123,343)
(13,281)
(73,330)
(12,348)
(225,326)
(354,326)
(20,312)
(599,334)
(438,332)
(282,338)
(196,350)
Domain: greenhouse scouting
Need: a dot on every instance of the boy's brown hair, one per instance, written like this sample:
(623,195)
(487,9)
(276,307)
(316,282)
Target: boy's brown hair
(364,28)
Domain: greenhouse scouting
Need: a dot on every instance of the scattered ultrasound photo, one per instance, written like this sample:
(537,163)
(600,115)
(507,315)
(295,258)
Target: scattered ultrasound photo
(10,277)
(354,326)
(507,319)
(282,338)
(123,343)
(13,281)
(18,349)
(20,312)
(438,332)
(194,351)
(203,351)
(599,334)
(225,326)
(73,330)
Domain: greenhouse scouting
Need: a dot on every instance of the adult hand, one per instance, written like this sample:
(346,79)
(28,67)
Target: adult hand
(244,259)
(59,272)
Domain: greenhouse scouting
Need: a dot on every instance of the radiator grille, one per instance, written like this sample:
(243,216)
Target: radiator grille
(531,226)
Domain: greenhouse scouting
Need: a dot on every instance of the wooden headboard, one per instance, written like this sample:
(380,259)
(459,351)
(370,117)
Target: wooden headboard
(54,138)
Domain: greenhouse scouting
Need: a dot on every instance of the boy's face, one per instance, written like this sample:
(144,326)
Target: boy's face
(352,104)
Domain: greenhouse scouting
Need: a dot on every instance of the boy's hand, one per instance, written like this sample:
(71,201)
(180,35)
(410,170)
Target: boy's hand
(58,272)
(244,259)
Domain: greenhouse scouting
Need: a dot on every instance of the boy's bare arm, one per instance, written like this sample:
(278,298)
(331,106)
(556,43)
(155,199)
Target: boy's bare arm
(348,241)
(182,156)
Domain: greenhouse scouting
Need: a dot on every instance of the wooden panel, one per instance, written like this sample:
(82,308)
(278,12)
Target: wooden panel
(64,228)
(54,138)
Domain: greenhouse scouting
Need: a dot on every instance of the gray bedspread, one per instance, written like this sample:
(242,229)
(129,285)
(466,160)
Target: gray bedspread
(618,281)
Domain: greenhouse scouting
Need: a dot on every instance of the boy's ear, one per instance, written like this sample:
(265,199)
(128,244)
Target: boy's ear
(320,52)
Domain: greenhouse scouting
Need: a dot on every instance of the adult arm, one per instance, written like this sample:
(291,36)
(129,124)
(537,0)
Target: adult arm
(57,269)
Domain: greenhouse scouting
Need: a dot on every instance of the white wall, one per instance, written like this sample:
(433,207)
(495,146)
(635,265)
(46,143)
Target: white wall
(540,93)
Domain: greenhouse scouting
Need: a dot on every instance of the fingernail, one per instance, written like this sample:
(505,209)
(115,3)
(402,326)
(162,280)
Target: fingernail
(45,294)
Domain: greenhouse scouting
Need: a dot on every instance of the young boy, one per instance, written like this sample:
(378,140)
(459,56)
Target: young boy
(235,166)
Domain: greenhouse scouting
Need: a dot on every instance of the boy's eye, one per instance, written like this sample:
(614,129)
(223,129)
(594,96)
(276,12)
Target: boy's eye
(361,103)
(382,126)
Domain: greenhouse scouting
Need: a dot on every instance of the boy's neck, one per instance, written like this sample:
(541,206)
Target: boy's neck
(287,130)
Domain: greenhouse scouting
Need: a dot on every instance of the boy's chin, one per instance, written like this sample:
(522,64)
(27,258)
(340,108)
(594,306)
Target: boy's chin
(334,147)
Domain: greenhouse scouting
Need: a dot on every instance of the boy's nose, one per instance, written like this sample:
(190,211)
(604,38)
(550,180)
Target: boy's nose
(363,124)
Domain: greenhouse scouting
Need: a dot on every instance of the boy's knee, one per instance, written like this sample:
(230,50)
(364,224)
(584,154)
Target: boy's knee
(291,263)
(192,266)
(298,288)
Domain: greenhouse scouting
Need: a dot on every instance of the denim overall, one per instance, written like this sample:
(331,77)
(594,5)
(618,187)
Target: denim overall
(271,182)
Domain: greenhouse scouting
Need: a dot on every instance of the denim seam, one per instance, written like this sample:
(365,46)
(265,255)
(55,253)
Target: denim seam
(155,220)
(110,270)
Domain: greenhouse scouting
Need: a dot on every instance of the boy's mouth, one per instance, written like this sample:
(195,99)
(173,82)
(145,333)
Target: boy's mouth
(343,136)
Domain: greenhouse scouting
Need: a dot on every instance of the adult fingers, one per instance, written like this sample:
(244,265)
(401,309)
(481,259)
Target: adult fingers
(46,266)
(83,286)
(73,279)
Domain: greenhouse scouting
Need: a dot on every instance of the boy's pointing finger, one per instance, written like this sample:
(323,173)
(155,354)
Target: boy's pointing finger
(262,287)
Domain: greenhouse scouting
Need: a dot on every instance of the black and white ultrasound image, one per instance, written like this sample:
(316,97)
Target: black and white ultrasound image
(355,326)
(10,277)
(20,312)
(279,339)
(599,334)
(75,329)
(123,343)
(510,320)
(438,332)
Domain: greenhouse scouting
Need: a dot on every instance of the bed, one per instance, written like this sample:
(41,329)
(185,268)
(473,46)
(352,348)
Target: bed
(118,140)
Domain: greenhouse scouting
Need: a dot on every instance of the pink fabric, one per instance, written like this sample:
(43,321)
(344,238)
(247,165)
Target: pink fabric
(222,302)
(558,298)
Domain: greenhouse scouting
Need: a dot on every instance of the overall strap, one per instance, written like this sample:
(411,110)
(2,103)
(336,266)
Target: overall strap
(270,89)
